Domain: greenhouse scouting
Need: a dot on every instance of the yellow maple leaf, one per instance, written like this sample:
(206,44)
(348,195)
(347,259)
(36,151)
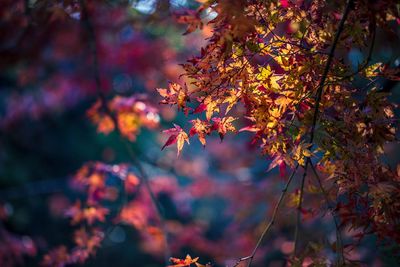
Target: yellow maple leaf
(372,71)
(268,78)
(211,107)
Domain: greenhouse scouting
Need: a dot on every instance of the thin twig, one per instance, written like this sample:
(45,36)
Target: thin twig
(327,67)
(369,56)
(317,104)
(314,122)
(158,207)
(339,240)
(299,207)
(270,223)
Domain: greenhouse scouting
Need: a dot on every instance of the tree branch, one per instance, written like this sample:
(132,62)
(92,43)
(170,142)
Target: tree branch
(336,219)
(317,104)
(369,56)
(105,108)
(270,223)
(313,126)
(327,67)
(299,207)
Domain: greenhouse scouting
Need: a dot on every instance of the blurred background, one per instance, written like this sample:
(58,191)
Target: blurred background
(214,199)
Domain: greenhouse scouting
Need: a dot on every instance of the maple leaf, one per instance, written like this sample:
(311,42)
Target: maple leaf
(131,182)
(191,18)
(251,128)
(130,115)
(177,136)
(268,78)
(211,106)
(231,99)
(183,262)
(278,161)
(174,94)
(200,108)
(92,214)
(283,62)
(294,199)
(96,180)
(223,125)
(105,125)
(129,124)
(373,70)
(201,128)
(283,102)
(284,3)
(301,152)
(75,212)
(90,241)
(57,257)
(104,122)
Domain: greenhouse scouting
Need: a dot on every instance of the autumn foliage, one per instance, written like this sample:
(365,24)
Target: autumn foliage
(299,88)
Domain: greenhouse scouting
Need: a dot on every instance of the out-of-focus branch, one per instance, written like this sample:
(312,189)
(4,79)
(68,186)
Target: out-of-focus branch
(128,146)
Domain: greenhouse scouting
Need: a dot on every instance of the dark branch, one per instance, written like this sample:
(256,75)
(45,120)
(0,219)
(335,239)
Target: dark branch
(299,207)
(317,104)
(336,219)
(327,68)
(270,223)
(369,56)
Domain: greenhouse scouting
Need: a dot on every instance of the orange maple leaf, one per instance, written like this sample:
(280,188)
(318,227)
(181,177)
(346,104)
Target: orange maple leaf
(201,128)
(174,94)
(183,262)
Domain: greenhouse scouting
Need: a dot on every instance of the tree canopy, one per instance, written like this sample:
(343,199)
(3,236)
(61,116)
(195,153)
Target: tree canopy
(294,104)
